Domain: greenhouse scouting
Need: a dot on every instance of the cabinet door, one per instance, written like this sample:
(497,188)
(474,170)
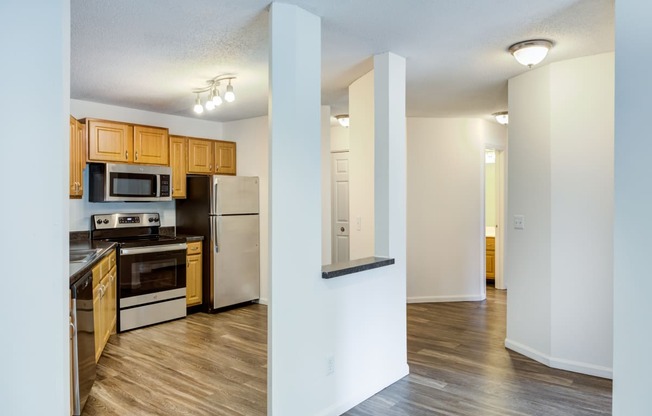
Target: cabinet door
(151,145)
(200,156)
(73,157)
(178,152)
(109,141)
(193,280)
(106,311)
(111,300)
(97,320)
(490,258)
(225,158)
(80,151)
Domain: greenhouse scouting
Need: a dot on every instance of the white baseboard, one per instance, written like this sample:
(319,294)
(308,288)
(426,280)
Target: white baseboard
(350,402)
(435,299)
(560,363)
(263,301)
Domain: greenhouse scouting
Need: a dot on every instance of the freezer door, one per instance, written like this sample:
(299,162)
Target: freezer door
(236,260)
(235,195)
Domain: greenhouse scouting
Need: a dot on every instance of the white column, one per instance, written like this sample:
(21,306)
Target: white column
(34,110)
(389,128)
(633,208)
(295,206)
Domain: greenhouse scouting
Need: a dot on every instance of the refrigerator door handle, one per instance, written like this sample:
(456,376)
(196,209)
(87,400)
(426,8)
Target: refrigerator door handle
(215,233)
(214,203)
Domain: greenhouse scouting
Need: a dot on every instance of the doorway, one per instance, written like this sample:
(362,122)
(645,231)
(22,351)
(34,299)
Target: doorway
(340,206)
(494,194)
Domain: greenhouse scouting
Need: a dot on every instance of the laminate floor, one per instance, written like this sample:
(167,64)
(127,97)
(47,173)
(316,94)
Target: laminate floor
(212,365)
(216,365)
(459,366)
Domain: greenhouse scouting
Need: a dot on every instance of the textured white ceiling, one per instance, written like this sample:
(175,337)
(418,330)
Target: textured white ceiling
(150,54)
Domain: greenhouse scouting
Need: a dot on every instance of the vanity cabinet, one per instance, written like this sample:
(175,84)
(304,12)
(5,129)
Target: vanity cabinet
(491,257)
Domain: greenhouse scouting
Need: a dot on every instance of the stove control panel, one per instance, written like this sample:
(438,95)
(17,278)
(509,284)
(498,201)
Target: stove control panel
(108,221)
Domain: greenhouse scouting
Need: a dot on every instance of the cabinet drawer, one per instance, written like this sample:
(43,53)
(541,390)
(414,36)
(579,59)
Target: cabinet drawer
(194,247)
(491,243)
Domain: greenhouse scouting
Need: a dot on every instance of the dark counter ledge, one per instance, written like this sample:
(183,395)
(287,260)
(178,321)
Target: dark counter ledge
(354,266)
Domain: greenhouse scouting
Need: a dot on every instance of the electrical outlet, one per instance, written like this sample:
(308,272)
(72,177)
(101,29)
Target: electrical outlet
(519,222)
(330,365)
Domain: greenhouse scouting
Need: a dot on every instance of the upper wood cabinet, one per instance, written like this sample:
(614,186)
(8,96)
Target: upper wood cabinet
(151,145)
(211,157)
(178,157)
(200,156)
(111,141)
(225,158)
(77,158)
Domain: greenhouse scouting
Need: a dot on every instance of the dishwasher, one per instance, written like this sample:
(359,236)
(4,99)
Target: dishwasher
(83,340)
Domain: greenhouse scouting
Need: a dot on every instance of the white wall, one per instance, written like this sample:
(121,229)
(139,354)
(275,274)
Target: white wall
(326,214)
(357,320)
(490,195)
(361,167)
(445,200)
(339,138)
(561,178)
(34,357)
(633,199)
(82,209)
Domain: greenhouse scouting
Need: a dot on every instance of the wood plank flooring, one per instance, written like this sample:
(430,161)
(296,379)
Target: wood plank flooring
(459,366)
(209,365)
(216,365)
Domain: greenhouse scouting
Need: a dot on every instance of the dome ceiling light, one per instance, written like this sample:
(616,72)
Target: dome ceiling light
(530,52)
(343,119)
(501,117)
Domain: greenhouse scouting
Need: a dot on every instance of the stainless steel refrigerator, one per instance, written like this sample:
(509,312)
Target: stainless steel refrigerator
(225,211)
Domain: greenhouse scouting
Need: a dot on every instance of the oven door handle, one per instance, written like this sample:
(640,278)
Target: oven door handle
(152,249)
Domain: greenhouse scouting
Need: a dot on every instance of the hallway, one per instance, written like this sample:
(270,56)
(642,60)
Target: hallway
(459,366)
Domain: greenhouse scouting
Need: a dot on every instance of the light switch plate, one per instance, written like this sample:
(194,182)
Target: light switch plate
(519,222)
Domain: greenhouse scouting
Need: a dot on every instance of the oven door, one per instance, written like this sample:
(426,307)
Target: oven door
(152,273)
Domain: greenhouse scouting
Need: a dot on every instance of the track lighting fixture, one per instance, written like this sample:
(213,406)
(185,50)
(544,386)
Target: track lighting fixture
(214,99)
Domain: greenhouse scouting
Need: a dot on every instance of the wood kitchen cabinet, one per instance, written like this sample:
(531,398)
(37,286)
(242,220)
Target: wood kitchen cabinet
(194,274)
(112,141)
(225,158)
(77,158)
(491,257)
(104,301)
(211,157)
(178,163)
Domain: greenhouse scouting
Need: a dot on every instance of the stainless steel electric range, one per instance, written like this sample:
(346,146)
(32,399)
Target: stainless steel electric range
(151,268)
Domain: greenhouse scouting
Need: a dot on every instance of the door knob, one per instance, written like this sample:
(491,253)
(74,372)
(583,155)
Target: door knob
(342,229)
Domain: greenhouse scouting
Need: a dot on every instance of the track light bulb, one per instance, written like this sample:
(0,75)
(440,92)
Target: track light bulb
(209,105)
(217,100)
(229,96)
(198,107)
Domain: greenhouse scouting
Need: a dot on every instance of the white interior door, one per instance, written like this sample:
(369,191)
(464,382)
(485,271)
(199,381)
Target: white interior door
(340,202)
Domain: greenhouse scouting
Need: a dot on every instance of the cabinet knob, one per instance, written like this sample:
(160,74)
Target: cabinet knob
(126,154)
(136,154)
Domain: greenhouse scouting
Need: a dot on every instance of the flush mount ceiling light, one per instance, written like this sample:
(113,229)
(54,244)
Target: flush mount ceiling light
(343,119)
(501,117)
(530,52)
(214,98)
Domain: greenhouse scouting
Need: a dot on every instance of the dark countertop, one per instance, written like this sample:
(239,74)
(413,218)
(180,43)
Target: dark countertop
(191,238)
(354,266)
(77,270)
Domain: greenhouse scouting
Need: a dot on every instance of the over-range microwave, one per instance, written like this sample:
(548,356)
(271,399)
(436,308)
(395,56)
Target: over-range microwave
(111,182)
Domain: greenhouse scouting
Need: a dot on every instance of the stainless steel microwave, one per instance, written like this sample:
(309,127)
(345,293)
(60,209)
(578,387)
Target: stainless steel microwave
(111,182)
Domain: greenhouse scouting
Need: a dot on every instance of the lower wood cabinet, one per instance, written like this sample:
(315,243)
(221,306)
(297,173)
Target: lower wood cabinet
(104,302)
(194,274)
(491,257)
